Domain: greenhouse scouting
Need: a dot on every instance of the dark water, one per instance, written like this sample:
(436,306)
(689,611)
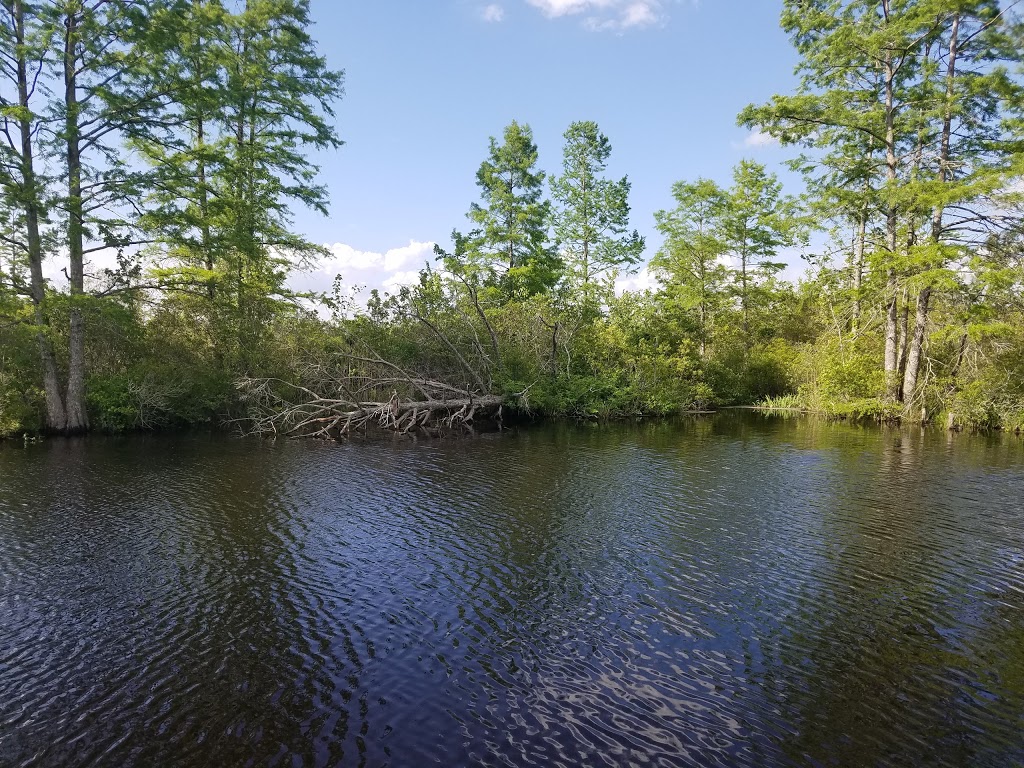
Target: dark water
(734,591)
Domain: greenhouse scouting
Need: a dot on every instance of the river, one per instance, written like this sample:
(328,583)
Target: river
(735,590)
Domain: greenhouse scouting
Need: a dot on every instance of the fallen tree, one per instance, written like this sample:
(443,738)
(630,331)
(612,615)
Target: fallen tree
(450,378)
(359,392)
(340,417)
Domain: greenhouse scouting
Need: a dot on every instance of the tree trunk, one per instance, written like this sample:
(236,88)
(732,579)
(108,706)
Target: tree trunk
(901,346)
(891,342)
(921,320)
(703,324)
(510,223)
(77,419)
(916,347)
(242,173)
(744,298)
(56,418)
(204,210)
(586,239)
(554,347)
(858,268)
(892,382)
(959,358)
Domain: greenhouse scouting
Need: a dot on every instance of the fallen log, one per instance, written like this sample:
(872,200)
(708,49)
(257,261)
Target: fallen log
(340,417)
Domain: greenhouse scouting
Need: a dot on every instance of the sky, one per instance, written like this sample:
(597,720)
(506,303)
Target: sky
(429,81)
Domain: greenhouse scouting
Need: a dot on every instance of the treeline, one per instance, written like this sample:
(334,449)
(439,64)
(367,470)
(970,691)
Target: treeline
(910,115)
(175,134)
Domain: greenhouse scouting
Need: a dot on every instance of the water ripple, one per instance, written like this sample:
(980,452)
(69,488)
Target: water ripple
(724,592)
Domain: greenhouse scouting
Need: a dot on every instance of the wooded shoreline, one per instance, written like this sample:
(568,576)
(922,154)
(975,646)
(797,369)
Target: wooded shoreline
(455,419)
(176,136)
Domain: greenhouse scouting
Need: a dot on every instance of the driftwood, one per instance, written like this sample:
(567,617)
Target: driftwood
(355,389)
(442,407)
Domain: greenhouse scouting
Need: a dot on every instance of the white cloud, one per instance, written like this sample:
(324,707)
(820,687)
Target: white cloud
(492,13)
(758,139)
(345,259)
(605,14)
(638,282)
(398,279)
(554,8)
(362,271)
(639,15)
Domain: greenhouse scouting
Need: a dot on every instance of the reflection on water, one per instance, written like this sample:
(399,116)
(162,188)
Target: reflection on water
(729,591)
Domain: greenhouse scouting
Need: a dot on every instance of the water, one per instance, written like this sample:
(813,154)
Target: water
(735,591)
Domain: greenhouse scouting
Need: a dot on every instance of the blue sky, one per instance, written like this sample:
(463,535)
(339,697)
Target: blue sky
(428,81)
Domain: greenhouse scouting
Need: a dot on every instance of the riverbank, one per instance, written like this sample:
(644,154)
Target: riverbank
(490,418)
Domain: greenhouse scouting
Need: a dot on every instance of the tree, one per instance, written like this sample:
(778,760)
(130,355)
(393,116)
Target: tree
(591,219)
(253,97)
(968,152)
(110,93)
(857,57)
(183,210)
(758,221)
(280,96)
(24,39)
(689,264)
(922,83)
(220,107)
(511,236)
(841,184)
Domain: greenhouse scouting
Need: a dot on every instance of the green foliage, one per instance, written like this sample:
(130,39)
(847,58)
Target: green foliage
(781,403)
(689,265)
(179,137)
(768,371)
(20,405)
(509,240)
(591,217)
(196,120)
(910,112)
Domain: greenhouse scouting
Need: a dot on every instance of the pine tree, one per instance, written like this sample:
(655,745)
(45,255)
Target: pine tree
(759,221)
(689,265)
(925,85)
(591,219)
(24,38)
(510,240)
(253,96)
(110,95)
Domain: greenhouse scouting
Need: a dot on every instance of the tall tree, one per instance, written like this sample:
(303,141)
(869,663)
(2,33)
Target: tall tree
(968,153)
(857,57)
(922,83)
(510,239)
(591,216)
(759,221)
(690,263)
(253,96)
(183,209)
(110,95)
(25,43)
(280,96)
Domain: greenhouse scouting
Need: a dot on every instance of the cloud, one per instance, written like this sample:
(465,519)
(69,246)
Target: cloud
(362,271)
(492,13)
(398,279)
(605,14)
(345,259)
(759,139)
(639,282)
